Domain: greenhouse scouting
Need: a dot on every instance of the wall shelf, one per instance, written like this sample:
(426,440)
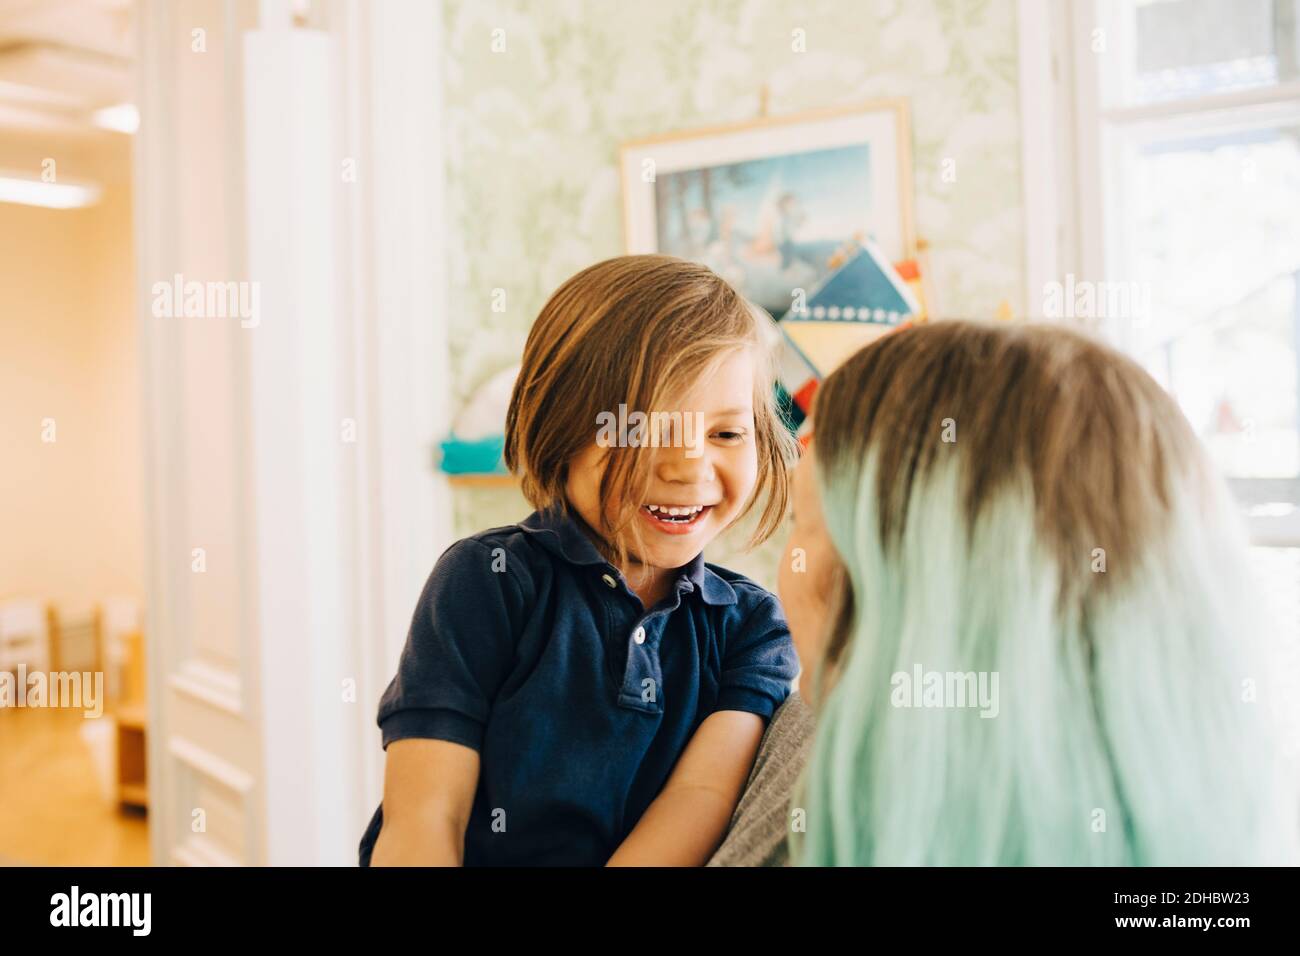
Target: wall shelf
(483,481)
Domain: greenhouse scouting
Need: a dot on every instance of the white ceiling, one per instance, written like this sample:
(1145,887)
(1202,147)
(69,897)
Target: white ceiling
(60,61)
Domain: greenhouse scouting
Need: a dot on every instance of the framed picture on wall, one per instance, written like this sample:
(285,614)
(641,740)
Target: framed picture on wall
(767,203)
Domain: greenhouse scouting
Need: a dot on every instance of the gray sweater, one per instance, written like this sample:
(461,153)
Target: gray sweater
(761,823)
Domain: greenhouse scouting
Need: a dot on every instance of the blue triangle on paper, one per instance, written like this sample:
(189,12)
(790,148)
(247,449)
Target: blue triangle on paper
(866,288)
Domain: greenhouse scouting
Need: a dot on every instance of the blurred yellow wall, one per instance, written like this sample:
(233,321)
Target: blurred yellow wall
(71,527)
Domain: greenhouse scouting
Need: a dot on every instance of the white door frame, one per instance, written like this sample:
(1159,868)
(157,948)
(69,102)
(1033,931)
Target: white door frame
(392,87)
(320,543)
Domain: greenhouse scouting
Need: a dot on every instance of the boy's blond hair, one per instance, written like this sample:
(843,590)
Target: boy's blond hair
(635,330)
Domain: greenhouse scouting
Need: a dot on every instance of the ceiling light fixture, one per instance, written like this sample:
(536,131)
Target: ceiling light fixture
(123,118)
(35,192)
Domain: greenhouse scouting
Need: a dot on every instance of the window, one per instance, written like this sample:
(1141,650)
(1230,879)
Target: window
(1187,126)
(1170,131)
(1214,224)
(1188,49)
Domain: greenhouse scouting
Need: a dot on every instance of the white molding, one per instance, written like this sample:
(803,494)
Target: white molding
(151,188)
(367,621)
(210,765)
(1263,96)
(408,284)
(1090,261)
(289,109)
(1212,121)
(168,241)
(403,507)
(237,240)
(333,545)
(1039,160)
(194,762)
(363,482)
(215,686)
(201,853)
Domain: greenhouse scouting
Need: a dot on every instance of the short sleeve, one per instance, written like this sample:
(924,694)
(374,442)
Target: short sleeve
(458,651)
(759,663)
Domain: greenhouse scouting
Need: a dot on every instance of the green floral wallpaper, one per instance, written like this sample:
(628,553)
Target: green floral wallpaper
(532,132)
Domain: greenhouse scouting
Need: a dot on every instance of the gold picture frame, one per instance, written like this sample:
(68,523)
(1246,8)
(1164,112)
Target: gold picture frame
(763,201)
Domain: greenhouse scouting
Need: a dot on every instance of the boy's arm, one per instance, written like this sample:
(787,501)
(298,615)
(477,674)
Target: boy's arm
(687,821)
(429,790)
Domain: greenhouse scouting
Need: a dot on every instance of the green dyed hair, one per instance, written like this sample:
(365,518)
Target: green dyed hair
(1026,503)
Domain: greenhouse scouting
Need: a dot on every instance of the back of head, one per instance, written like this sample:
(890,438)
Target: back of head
(1046,652)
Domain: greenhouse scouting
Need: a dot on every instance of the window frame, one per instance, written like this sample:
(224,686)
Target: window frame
(1074,150)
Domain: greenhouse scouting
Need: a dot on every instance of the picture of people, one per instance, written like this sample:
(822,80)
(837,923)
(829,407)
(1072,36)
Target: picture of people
(769,225)
(767,203)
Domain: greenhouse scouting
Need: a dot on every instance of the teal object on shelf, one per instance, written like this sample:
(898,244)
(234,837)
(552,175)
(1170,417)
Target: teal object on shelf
(483,457)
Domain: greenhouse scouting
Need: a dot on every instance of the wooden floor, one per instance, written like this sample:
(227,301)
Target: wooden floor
(53,809)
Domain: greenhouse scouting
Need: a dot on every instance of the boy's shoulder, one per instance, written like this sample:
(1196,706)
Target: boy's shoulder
(506,534)
(496,561)
(538,534)
(749,593)
(533,545)
(512,540)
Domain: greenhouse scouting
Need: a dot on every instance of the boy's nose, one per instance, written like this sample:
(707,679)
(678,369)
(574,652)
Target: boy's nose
(685,466)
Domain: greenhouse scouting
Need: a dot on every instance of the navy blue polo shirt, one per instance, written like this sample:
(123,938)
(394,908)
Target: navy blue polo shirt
(529,647)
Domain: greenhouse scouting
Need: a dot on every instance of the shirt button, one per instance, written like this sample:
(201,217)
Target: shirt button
(638,636)
(608,580)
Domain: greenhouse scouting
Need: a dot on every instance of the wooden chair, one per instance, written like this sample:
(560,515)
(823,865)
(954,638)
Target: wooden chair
(24,635)
(132,716)
(76,638)
(119,619)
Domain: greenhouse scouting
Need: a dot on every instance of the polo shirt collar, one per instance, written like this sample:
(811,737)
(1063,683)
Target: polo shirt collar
(713,588)
(562,533)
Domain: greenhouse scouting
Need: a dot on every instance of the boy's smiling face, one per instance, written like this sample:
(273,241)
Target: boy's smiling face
(707,482)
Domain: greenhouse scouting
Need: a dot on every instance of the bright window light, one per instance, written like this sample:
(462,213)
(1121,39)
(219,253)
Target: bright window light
(34,192)
(123,118)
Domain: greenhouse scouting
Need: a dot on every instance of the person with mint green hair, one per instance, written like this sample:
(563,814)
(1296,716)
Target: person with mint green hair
(1021,597)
